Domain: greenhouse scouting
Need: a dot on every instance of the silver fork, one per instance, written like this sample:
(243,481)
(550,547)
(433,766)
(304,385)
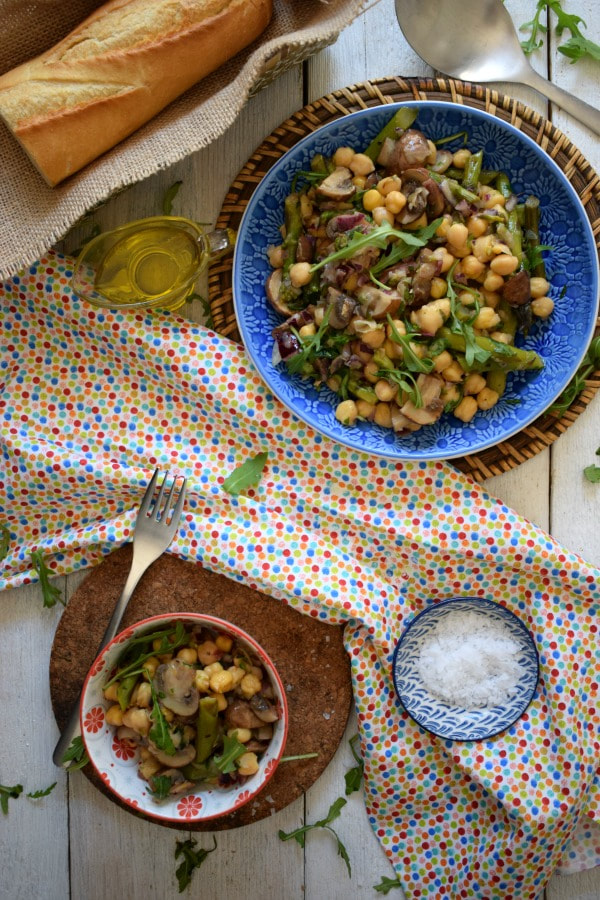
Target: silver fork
(155,528)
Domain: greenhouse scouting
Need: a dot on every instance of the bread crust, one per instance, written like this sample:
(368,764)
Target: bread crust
(127,86)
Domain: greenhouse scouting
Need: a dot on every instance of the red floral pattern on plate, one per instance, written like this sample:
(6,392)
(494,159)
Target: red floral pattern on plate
(123,749)
(97,667)
(94,719)
(189,807)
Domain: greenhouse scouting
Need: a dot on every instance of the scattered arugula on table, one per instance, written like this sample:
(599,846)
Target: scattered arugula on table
(297,756)
(592,473)
(50,592)
(43,792)
(192,859)
(577,47)
(387,884)
(4,541)
(589,364)
(354,776)
(7,793)
(208,316)
(76,755)
(246,475)
(299,834)
(170,194)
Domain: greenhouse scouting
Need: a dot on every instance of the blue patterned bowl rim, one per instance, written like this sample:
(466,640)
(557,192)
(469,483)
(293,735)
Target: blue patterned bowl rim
(449,438)
(501,720)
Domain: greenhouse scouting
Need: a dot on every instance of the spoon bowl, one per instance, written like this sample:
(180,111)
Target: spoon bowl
(488,50)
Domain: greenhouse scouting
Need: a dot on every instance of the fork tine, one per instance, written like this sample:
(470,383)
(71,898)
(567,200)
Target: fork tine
(147,498)
(156,509)
(164,515)
(179,505)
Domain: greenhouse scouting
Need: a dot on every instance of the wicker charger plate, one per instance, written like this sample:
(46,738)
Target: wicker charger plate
(547,428)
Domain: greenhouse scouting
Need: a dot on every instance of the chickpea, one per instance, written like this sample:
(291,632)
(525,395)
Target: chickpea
(487,398)
(474,383)
(371,199)
(392,349)
(111,692)
(442,361)
(385,391)
(242,734)
(365,409)
(383,415)
(421,222)
(493,281)
(502,337)
(430,160)
(208,652)
(221,682)
(398,325)
(381,215)
(346,412)
(373,338)
(359,182)
(454,372)
(466,409)
(395,202)
(467,298)
(486,319)
(492,198)
(114,715)
(477,226)
(276,256)
(167,713)
(202,681)
(319,315)
(482,247)
(350,282)
(446,258)
(492,298)
(149,765)
(188,655)
(308,330)
(505,264)
(389,184)
(300,274)
(221,701)
(237,673)
(542,307)
(250,684)
(461,158)
(370,372)
(343,156)
(457,235)
(138,719)
(442,229)
(142,695)
(247,764)
(334,383)
(213,668)
(472,267)
(538,287)
(361,164)
(439,286)
(150,667)
(450,394)
(429,318)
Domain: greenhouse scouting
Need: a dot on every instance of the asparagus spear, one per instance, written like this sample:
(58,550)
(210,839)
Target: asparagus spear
(293,230)
(532,235)
(472,171)
(504,356)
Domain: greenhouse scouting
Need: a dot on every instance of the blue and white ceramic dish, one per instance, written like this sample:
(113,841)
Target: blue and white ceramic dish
(452,722)
(561,340)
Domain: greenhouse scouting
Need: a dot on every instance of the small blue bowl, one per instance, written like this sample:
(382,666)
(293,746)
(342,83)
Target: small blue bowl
(561,340)
(452,722)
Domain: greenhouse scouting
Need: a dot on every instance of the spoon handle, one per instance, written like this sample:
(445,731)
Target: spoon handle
(588,115)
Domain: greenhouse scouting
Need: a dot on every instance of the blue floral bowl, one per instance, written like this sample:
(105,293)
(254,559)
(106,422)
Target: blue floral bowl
(561,340)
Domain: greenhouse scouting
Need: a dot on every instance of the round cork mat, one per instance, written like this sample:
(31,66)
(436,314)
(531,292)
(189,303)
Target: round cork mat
(309,656)
(548,427)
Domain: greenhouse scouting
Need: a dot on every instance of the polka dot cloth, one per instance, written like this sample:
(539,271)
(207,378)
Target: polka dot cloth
(92,401)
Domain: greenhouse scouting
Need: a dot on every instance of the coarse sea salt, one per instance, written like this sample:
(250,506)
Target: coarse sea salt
(470,661)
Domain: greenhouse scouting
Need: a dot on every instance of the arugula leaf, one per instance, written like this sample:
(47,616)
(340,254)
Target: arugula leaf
(160,785)
(387,884)
(379,237)
(473,351)
(247,475)
(406,246)
(4,541)
(535,26)
(354,776)
(232,750)
(76,754)
(159,733)
(575,48)
(299,834)
(298,756)
(412,362)
(134,659)
(192,859)
(170,194)
(579,46)
(7,793)
(206,308)
(589,364)
(592,473)
(50,592)
(35,795)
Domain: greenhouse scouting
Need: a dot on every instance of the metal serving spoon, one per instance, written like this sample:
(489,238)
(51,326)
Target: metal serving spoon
(475,40)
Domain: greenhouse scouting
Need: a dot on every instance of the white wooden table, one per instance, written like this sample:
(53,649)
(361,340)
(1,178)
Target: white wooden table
(76,843)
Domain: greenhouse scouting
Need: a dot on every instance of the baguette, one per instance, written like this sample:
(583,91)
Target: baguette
(116,70)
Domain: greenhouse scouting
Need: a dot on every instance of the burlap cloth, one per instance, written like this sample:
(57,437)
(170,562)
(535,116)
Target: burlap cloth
(33,216)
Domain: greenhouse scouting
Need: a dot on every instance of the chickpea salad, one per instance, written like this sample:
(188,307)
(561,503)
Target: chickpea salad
(196,704)
(405,273)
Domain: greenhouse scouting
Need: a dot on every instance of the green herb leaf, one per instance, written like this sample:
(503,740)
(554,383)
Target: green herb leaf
(35,795)
(76,754)
(592,473)
(206,308)
(160,785)
(170,194)
(406,245)
(7,793)
(132,661)
(50,592)
(354,776)
(192,859)
(589,364)
(232,750)
(387,884)
(159,733)
(247,475)
(579,46)
(4,541)
(299,834)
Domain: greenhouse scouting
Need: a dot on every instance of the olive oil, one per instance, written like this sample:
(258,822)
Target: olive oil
(150,262)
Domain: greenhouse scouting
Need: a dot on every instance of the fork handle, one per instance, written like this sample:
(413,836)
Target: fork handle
(579,109)
(73,727)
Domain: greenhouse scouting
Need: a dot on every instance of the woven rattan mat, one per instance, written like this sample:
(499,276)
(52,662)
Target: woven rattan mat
(547,428)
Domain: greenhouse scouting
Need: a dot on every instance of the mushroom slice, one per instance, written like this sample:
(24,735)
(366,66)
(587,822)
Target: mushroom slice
(175,684)
(239,714)
(378,304)
(432,406)
(338,185)
(176,760)
(411,149)
(273,291)
(265,710)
